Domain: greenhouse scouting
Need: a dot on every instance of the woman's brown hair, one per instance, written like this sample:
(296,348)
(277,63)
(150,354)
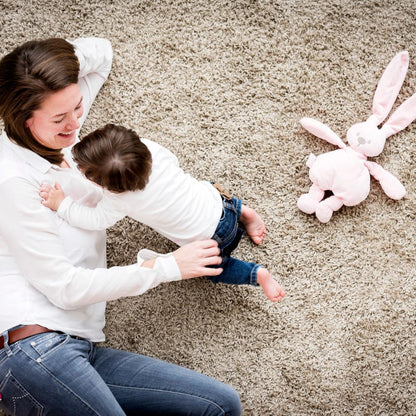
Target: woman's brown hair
(28,75)
(115,158)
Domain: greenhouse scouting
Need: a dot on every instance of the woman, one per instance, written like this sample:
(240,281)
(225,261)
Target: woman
(53,279)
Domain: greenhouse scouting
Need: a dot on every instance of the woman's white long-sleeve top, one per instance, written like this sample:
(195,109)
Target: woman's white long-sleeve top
(51,273)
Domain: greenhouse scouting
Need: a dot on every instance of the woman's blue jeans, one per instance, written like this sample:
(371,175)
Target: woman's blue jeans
(54,374)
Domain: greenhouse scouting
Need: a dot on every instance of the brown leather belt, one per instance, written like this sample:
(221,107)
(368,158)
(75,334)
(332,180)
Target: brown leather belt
(24,332)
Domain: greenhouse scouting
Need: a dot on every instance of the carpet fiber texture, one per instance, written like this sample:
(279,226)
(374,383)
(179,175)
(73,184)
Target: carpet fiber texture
(223,84)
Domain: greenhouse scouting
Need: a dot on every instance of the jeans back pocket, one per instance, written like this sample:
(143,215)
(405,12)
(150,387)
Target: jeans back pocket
(16,400)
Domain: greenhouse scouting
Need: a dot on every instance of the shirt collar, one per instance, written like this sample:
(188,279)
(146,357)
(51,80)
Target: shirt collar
(28,156)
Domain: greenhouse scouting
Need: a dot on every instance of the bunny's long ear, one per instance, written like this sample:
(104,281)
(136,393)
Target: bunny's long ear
(389,86)
(401,118)
(322,131)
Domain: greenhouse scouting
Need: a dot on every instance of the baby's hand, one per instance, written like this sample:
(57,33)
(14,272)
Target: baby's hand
(52,197)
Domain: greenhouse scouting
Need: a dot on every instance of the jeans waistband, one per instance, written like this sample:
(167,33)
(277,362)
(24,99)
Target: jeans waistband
(23,332)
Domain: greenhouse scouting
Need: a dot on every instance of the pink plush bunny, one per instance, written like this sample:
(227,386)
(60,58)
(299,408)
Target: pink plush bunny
(346,171)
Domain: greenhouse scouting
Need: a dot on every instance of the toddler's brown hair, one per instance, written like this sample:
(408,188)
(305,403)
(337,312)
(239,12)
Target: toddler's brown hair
(115,158)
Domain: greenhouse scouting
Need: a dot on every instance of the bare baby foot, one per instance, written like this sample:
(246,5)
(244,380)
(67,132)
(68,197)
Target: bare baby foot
(271,288)
(253,224)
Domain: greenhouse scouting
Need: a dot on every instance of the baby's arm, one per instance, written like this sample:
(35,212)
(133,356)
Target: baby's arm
(52,197)
(105,214)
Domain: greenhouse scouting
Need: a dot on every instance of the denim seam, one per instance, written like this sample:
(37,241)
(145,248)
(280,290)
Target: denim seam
(229,239)
(168,391)
(64,386)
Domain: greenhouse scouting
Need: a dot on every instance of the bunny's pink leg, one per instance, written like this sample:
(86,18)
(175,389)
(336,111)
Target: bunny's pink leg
(327,207)
(308,203)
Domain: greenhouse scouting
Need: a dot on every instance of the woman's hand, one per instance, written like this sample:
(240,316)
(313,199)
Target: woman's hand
(193,259)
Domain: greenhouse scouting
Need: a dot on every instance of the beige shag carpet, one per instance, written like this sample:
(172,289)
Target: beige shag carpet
(223,84)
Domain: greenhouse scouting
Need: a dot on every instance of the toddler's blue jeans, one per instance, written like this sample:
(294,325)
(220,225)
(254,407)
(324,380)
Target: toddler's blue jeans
(228,235)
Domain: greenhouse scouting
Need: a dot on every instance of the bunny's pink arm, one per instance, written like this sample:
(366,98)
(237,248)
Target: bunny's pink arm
(390,184)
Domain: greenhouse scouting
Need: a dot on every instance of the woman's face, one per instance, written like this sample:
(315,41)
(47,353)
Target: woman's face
(55,123)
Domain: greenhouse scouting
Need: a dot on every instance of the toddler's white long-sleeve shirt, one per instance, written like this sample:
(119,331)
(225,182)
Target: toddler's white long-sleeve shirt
(173,203)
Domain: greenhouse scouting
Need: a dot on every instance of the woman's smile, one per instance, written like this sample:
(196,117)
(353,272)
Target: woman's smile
(56,122)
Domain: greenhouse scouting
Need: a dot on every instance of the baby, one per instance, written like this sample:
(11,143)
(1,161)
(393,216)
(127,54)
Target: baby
(142,179)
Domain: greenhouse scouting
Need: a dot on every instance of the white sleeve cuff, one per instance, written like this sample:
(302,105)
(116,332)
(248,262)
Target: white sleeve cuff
(165,264)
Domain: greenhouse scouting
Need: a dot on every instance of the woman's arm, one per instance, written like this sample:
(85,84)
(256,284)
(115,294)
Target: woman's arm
(33,242)
(95,57)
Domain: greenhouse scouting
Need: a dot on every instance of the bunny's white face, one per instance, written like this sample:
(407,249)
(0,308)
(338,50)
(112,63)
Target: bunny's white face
(366,138)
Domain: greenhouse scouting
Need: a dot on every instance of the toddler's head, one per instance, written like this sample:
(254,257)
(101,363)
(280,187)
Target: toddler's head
(115,158)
